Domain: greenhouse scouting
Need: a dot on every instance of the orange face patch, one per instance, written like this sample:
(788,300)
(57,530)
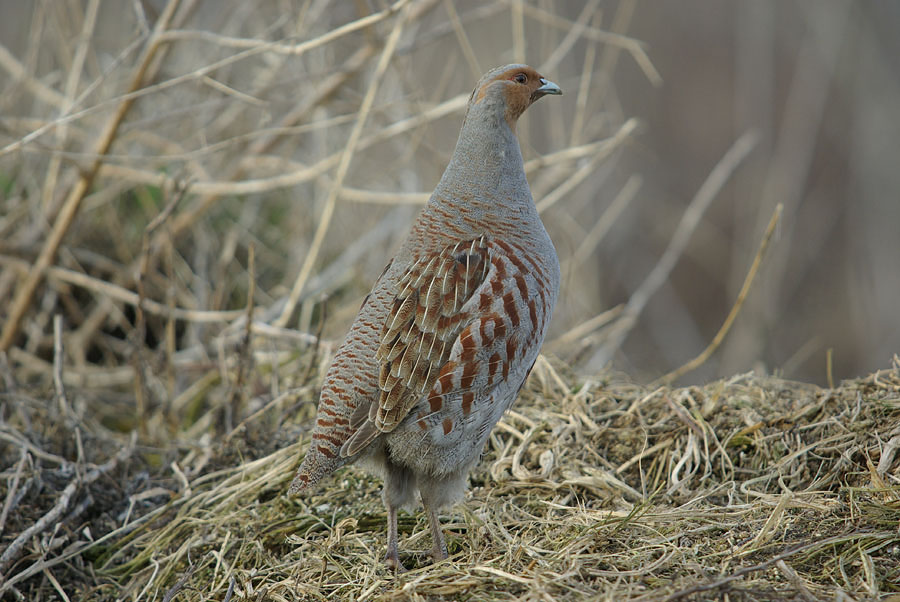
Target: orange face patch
(527,79)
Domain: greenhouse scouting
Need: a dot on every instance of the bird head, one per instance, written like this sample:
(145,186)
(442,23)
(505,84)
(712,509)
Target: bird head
(512,89)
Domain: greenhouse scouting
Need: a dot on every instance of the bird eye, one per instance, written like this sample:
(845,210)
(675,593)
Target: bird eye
(521,78)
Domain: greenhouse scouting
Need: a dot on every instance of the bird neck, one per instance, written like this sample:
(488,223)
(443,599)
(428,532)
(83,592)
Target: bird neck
(485,179)
(487,158)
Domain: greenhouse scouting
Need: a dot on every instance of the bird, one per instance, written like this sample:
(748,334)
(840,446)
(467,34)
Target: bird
(451,329)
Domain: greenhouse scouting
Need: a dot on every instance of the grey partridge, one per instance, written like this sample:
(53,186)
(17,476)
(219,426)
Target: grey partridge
(452,327)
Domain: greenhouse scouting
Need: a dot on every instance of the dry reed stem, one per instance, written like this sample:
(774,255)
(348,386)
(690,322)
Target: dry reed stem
(704,355)
(600,151)
(17,71)
(232,405)
(123,295)
(158,39)
(343,166)
(630,45)
(585,84)
(585,328)
(71,87)
(210,193)
(26,290)
(572,35)
(214,188)
(517,16)
(609,57)
(607,219)
(463,39)
(795,139)
(689,221)
(58,360)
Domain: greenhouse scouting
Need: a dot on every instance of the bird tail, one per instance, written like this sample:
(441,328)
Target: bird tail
(319,462)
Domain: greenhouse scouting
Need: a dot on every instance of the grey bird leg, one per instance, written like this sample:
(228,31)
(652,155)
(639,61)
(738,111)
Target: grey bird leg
(398,491)
(391,558)
(440,492)
(439,545)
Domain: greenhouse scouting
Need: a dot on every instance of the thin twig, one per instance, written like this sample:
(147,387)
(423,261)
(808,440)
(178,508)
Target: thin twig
(15,548)
(607,219)
(215,188)
(795,580)
(74,77)
(689,221)
(123,295)
(829,364)
(58,359)
(602,149)
(574,34)
(230,592)
(586,327)
(245,356)
(735,309)
(630,45)
(518,30)
(209,194)
(314,355)
(158,38)
(585,86)
(18,72)
(139,336)
(9,380)
(179,585)
(22,300)
(705,587)
(13,488)
(463,40)
(342,169)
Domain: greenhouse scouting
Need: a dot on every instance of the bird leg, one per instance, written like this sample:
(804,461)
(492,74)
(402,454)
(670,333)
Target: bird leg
(398,489)
(439,545)
(391,557)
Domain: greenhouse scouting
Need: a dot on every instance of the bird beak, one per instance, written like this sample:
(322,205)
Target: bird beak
(548,87)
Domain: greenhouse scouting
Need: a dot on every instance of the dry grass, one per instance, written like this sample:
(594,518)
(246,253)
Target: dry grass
(195,200)
(750,488)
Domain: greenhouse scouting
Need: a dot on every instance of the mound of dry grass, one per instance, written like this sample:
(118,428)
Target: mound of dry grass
(747,488)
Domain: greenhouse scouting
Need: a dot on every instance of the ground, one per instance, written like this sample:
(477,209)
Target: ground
(749,488)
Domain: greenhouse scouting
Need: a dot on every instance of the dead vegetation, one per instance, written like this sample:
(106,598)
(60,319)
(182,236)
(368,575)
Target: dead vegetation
(192,208)
(747,488)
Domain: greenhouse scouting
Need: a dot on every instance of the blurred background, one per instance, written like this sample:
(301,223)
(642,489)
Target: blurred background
(247,111)
(820,83)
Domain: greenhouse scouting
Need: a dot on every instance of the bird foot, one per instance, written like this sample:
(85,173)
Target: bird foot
(438,554)
(392,561)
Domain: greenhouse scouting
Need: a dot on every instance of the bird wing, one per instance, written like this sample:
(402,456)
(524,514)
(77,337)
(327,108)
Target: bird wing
(436,301)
